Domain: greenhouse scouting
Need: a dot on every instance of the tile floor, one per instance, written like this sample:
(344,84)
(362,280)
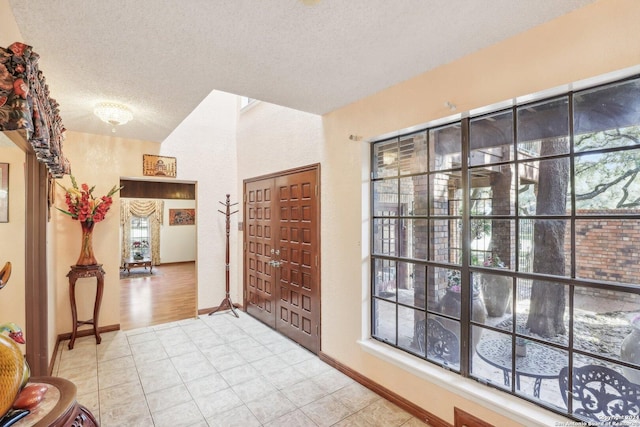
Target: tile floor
(216,371)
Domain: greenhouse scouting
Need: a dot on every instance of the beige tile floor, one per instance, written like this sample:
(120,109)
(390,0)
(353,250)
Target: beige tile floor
(216,371)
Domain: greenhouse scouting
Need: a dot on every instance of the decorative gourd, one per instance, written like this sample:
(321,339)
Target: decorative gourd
(13,370)
(30,396)
(5,273)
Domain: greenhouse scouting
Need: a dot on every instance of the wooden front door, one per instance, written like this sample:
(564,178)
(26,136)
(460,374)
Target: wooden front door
(282,280)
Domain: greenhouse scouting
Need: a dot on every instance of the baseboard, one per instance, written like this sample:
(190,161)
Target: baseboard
(80,333)
(174,263)
(212,309)
(464,419)
(394,398)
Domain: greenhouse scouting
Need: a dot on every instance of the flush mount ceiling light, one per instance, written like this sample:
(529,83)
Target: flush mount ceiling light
(112,113)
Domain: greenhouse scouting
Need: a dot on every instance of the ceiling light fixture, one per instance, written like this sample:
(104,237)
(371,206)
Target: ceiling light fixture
(114,114)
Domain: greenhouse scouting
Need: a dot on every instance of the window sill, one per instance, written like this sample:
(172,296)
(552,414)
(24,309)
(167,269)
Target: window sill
(517,409)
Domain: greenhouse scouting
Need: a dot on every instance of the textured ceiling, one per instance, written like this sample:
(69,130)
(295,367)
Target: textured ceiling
(161,58)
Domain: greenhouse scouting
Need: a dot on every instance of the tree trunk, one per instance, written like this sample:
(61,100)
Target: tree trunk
(546,310)
(501,230)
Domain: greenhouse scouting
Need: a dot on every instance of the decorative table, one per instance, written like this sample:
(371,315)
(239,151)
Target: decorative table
(132,263)
(58,407)
(79,272)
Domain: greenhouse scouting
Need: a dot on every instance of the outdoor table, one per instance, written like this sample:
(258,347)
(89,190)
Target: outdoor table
(540,362)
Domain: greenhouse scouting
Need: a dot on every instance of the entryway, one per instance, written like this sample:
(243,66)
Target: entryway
(167,291)
(282,253)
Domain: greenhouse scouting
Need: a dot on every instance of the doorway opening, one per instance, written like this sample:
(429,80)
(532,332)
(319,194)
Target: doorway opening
(158,277)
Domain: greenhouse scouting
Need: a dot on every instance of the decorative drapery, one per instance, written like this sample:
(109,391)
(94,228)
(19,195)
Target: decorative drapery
(25,106)
(153,209)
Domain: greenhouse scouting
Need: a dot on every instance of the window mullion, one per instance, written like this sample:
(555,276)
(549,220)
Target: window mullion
(465,295)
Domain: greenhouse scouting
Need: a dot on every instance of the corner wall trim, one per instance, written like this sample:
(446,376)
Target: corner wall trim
(81,333)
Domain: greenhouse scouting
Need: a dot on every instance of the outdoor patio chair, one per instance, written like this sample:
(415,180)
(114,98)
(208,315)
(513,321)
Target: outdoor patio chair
(601,394)
(441,342)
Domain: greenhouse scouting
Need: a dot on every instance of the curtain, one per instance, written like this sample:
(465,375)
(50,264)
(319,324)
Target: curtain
(153,209)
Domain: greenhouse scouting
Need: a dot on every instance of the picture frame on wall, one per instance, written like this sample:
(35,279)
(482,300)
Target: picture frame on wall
(159,166)
(182,216)
(4,192)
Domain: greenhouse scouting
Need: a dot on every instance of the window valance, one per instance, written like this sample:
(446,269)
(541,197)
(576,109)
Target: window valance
(25,106)
(153,209)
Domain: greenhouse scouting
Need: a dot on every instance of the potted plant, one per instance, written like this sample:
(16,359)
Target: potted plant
(138,249)
(450,303)
(630,350)
(496,289)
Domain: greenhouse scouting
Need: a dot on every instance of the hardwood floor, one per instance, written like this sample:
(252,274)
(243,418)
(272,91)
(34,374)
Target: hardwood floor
(167,295)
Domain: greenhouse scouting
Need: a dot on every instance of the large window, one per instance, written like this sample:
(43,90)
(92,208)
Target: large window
(140,238)
(509,243)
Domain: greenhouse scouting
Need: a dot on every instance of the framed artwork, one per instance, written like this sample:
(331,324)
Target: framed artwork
(4,192)
(159,166)
(182,216)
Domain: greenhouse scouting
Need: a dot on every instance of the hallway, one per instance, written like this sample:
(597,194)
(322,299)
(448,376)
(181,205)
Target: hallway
(166,294)
(216,371)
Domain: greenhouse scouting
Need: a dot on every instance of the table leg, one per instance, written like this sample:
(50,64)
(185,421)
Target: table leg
(74,312)
(507,380)
(96,307)
(536,387)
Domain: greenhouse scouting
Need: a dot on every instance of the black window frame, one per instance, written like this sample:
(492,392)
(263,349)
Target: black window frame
(466,268)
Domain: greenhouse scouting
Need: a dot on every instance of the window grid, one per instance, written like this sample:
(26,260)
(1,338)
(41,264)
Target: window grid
(508,219)
(140,237)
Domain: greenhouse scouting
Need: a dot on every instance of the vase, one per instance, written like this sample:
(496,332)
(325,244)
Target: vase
(496,292)
(86,245)
(450,305)
(630,352)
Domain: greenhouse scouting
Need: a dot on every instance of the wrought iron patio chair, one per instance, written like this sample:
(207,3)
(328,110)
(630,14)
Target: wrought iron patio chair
(441,342)
(601,395)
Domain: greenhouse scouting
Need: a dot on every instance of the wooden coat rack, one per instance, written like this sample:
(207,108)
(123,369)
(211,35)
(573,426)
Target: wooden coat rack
(226,302)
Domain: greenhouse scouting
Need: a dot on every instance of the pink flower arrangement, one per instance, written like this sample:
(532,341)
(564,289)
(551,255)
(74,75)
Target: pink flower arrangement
(83,205)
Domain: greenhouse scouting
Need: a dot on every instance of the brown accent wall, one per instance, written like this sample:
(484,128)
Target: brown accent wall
(135,189)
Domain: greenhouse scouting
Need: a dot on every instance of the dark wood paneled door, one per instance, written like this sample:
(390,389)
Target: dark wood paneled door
(259,224)
(282,279)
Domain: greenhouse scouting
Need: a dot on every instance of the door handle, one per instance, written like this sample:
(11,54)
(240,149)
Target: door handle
(275,264)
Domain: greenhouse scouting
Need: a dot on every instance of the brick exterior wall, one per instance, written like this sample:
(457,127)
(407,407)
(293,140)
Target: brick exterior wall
(608,250)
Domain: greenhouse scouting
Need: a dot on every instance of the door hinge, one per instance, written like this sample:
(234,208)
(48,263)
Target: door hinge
(244,197)
(245,246)
(316,190)
(316,260)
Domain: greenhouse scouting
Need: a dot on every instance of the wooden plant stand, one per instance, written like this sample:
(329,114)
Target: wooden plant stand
(80,272)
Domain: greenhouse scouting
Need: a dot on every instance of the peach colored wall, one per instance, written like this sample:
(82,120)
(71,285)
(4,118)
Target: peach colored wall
(100,161)
(12,306)
(12,296)
(591,41)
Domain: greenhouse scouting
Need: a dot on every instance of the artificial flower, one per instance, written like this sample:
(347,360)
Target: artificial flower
(83,205)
